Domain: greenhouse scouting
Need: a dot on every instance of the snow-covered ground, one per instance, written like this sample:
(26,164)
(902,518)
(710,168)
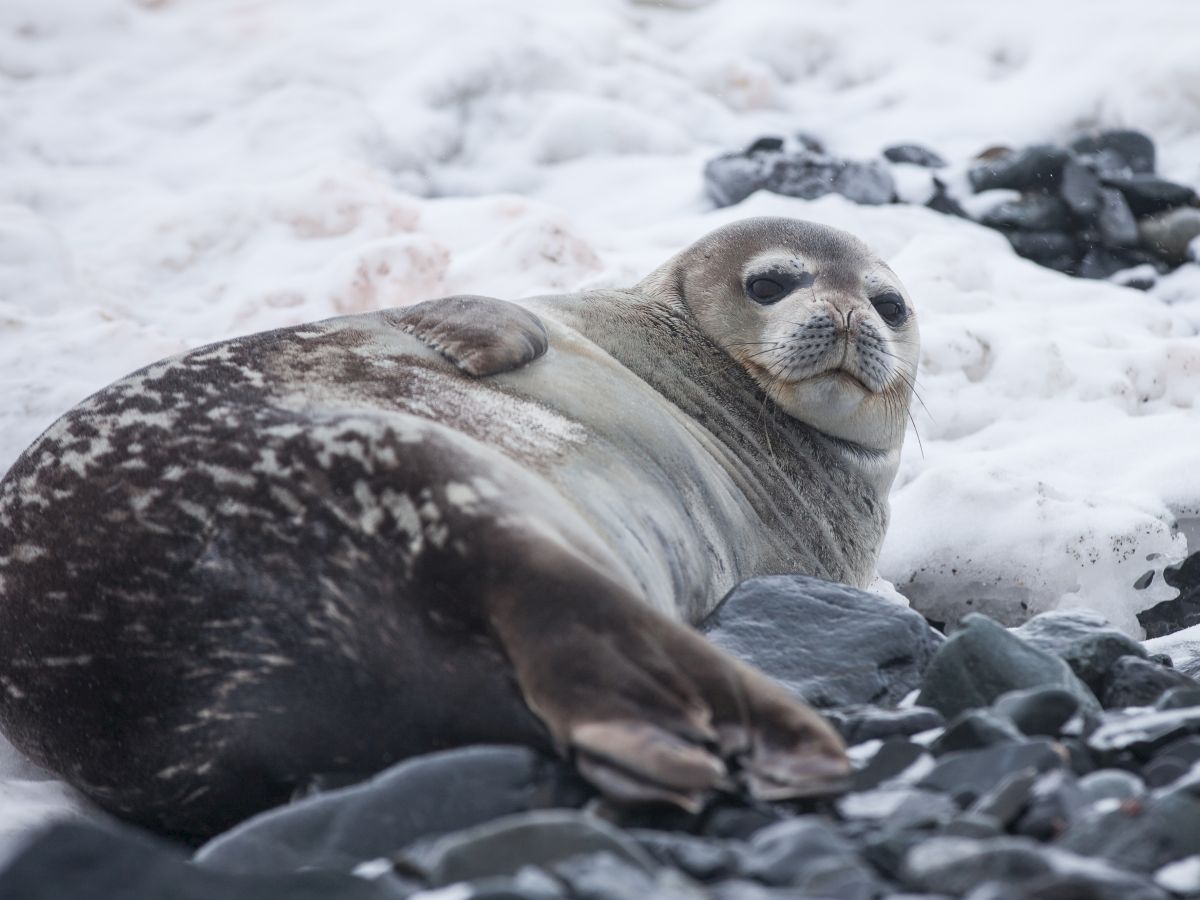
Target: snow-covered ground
(175,173)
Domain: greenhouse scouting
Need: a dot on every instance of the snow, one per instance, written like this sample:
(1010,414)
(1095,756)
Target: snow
(173,174)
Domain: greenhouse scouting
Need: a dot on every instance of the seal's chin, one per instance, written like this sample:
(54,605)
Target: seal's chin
(835,377)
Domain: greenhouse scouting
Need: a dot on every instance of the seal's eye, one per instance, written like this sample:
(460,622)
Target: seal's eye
(891,308)
(765,290)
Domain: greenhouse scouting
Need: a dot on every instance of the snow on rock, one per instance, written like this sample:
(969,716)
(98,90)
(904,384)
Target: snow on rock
(176,173)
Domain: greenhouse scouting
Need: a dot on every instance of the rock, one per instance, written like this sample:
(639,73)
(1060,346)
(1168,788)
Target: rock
(1170,235)
(955,865)
(1110,784)
(826,642)
(1149,194)
(805,853)
(1038,711)
(891,761)
(1033,212)
(1008,799)
(1095,882)
(1039,166)
(858,724)
(705,859)
(605,876)
(737,821)
(973,825)
(1138,682)
(914,154)
(974,729)
(868,183)
(942,202)
(501,847)
(804,175)
(1115,221)
(1083,639)
(983,660)
(1054,802)
(1139,278)
(768,144)
(419,798)
(1117,150)
(1179,698)
(732,177)
(1181,878)
(900,807)
(1140,837)
(1054,249)
(1172,762)
(529,883)
(1141,733)
(1105,262)
(969,774)
(86,862)
(1182,611)
(1080,190)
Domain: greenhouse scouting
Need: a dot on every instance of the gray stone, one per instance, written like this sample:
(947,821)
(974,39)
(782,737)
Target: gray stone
(1117,150)
(1080,190)
(1008,798)
(955,865)
(1140,837)
(1038,711)
(732,177)
(969,774)
(85,862)
(914,154)
(502,847)
(900,807)
(606,876)
(858,724)
(419,798)
(805,853)
(983,660)
(895,757)
(1149,194)
(1179,698)
(1142,732)
(1038,166)
(974,729)
(1115,221)
(1170,235)
(1055,800)
(1138,682)
(828,643)
(1055,249)
(705,859)
(1110,784)
(1083,639)
(1033,212)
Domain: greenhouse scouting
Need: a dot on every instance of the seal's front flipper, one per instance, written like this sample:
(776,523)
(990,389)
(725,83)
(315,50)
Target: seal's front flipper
(480,335)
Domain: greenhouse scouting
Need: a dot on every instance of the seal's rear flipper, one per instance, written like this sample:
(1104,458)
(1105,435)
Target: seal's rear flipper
(480,335)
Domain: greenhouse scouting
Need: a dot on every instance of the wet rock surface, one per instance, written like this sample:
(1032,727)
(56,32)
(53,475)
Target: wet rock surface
(1095,208)
(1016,784)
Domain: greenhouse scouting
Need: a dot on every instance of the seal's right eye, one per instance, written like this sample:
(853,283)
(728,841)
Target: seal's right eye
(765,290)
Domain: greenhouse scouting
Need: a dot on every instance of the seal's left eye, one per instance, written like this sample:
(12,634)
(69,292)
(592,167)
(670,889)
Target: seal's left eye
(765,290)
(891,308)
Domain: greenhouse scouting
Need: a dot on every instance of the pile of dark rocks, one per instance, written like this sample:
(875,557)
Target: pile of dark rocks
(1055,760)
(1094,209)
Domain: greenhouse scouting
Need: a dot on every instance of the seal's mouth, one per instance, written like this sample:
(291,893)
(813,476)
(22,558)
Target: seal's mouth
(838,374)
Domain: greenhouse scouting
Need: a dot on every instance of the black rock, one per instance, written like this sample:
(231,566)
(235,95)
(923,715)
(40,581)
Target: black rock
(419,798)
(738,821)
(1116,150)
(942,202)
(529,883)
(1149,194)
(1104,262)
(1081,638)
(969,774)
(705,859)
(956,865)
(914,154)
(973,825)
(1170,235)
(895,757)
(732,177)
(900,807)
(1033,212)
(983,660)
(804,175)
(1179,612)
(1179,698)
(1143,732)
(1038,711)
(501,847)
(1054,249)
(1138,682)
(1009,798)
(868,183)
(1138,278)
(1039,166)
(1110,784)
(1054,802)
(858,724)
(1172,762)
(1080,190)
(1138,836)
(826,642)
(1114,220)
(974,729)
(1093,882)
(605,876)
(768,144)
(807,854)
(85,862)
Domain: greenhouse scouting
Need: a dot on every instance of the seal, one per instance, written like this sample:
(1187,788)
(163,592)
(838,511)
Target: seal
(325,548)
